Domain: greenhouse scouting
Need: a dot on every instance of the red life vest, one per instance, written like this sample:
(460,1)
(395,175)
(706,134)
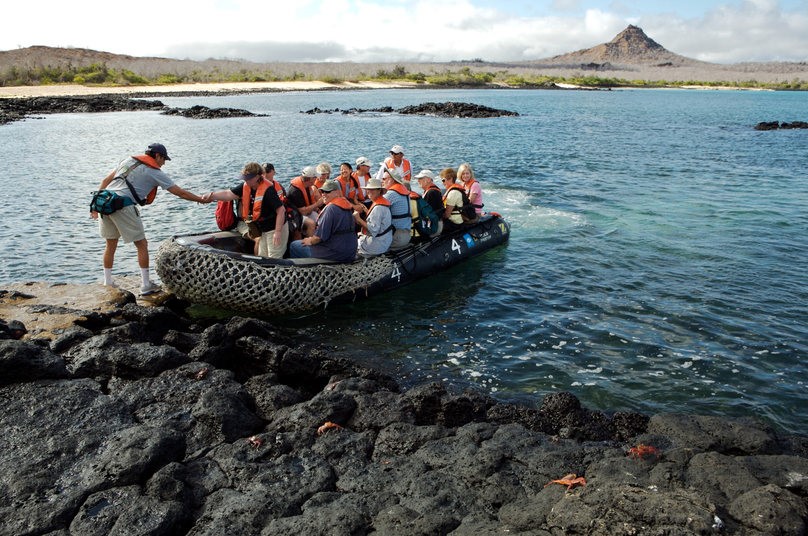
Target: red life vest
(152,163)
(246,192)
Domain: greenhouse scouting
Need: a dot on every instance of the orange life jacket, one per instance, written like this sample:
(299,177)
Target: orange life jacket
(432,187)
(280,191)
(351,189)
(467,187)
(342,203)
(405,165)
(152,163)
(263,186)
(383,201)
(297,182)
(454,186)
(367,177)
(400,189)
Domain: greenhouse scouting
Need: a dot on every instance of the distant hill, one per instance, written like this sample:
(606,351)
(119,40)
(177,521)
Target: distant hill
(631,47)
(41,56)
(631,55)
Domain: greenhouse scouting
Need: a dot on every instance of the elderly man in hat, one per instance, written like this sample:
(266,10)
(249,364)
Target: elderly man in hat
(136,179)
(335,236)
(377,230)
(399,197)
(396,162)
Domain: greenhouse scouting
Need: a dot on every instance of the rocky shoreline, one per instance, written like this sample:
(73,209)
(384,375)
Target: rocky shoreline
(17,109)
(133,418)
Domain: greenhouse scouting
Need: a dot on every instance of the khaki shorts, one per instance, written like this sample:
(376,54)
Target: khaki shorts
(266,247)
(124,223)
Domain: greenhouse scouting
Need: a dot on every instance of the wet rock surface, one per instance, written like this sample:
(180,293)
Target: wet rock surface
(438,109)
(16,109)
(775,125)
(203,112)
(148,422)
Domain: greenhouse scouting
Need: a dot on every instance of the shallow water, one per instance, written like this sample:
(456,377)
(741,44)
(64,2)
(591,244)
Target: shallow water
(656,260)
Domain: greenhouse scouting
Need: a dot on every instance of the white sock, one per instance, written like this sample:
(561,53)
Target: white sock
(144,276)
(107,276)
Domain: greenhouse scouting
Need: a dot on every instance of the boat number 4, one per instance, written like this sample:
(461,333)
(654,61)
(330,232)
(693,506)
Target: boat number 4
(396,274)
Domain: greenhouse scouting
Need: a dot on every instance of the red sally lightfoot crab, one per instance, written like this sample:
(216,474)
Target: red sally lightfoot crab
(571,480)
(643,452)
(328,426)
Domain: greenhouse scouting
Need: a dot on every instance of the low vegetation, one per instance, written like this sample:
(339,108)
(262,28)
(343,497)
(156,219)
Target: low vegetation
(99,74)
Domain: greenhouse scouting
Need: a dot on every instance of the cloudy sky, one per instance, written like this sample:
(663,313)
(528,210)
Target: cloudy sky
(721,31)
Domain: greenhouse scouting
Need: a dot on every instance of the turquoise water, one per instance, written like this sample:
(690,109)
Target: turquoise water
(656,262)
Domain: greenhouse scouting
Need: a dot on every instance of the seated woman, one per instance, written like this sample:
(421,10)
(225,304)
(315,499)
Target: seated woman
(472,187)
(452,200)
(377,230)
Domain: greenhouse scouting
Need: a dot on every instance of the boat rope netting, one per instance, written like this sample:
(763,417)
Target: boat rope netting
(201,276)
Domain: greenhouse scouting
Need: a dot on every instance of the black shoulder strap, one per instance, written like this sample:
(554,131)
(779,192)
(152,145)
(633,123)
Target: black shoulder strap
(124,176)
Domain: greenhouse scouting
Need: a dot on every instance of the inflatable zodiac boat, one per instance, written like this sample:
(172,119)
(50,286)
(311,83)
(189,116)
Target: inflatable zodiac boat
(215,269)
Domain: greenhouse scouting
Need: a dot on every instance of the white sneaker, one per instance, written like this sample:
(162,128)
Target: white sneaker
(149,288)
(112,284)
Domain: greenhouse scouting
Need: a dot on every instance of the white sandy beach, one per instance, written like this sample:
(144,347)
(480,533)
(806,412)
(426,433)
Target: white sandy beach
(72,89)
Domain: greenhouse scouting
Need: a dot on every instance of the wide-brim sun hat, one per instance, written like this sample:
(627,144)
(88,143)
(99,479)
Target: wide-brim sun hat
(374,184)
(395,176)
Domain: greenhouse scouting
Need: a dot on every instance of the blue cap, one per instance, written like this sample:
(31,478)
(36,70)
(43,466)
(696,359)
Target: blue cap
(158,148)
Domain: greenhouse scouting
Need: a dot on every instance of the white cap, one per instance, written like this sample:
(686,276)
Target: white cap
(397,149)
(424,173)
(363,161)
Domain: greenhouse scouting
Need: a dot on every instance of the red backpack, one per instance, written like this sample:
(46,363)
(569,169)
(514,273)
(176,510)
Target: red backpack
(225,217)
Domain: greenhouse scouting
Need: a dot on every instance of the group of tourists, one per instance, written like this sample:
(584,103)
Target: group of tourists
(334,218)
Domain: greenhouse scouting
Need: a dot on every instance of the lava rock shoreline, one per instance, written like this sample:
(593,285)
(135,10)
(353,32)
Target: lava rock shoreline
(140,420)
(17,109)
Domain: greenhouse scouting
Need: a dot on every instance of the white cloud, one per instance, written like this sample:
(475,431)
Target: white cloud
(413,30)
(755,30)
